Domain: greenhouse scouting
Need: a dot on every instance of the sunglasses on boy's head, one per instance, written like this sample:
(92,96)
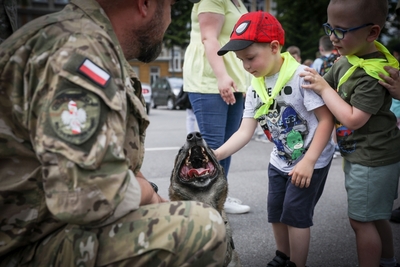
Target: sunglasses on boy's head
(338,32)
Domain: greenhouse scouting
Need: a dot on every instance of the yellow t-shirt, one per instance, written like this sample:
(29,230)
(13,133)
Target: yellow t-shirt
(198,75)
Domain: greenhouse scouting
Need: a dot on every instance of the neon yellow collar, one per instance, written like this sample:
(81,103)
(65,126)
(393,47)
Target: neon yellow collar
(286,72)
(371,66)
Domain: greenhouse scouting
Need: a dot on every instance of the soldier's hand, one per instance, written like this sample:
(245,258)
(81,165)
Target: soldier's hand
(148,192)
(158,199)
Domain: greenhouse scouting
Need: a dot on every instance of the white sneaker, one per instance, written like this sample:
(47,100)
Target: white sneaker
(234,200)
(235,208)
(336,154)
(262,138)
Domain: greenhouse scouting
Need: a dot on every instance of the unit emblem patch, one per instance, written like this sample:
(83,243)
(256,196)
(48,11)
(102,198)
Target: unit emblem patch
(74,115)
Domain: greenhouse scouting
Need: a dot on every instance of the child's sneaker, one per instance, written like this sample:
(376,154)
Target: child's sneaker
(280,260)
(395,215)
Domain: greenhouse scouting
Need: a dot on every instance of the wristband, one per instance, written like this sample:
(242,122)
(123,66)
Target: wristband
(155,187)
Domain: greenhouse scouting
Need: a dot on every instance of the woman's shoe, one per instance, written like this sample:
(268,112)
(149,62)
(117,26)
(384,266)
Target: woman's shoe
(233,206)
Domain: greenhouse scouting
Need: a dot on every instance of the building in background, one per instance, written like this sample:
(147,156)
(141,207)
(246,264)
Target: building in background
(170,61)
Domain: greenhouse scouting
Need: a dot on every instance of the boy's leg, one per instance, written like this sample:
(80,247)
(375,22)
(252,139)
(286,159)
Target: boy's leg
(277,183)
(369,246)
(386,235)
(286,204)
(298,211)
(299,239)
(281,236)
(370,193)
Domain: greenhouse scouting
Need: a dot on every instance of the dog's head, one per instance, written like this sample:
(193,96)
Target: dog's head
(197,174)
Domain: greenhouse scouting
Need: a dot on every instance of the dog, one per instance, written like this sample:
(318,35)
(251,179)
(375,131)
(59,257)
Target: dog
(197,175)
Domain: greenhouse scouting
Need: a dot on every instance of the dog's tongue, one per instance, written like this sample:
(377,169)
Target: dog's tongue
(197,172)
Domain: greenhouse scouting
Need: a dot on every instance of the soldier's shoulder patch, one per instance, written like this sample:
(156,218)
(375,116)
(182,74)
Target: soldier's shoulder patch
(86,68)
(93,72)
(74,115)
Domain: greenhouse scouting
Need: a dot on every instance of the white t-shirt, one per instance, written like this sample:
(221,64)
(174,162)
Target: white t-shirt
(290,123)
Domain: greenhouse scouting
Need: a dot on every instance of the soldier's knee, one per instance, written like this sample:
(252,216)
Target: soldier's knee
(210,227)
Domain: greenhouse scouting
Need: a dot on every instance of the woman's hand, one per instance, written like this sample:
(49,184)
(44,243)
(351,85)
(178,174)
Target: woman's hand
(225,86)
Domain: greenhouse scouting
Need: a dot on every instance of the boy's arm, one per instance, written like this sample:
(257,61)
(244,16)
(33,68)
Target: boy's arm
(351,117)
(238,140)
(302,172)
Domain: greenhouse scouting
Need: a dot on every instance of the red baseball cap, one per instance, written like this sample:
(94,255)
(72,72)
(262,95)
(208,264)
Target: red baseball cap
(254,27)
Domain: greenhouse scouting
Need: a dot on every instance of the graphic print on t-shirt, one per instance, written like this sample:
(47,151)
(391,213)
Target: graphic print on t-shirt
(342,132)
(286,128)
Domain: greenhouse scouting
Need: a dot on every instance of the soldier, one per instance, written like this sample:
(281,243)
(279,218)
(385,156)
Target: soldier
(8,18)
(72,129)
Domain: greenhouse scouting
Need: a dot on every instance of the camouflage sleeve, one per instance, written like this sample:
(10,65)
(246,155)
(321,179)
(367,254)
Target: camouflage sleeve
(81,108)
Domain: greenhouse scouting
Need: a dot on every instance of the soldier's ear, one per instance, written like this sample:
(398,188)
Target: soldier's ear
(143,6)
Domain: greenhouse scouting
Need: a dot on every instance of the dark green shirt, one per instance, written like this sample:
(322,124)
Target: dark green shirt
(377,142)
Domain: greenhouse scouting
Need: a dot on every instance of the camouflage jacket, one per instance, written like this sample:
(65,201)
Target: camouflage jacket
(72,126)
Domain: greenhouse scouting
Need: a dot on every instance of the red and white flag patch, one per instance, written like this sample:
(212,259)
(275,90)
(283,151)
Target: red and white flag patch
(94,72)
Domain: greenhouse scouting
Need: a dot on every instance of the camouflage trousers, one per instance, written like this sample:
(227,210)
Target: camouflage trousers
(184,233)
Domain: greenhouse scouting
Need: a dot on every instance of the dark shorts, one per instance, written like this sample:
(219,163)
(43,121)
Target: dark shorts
(292,205)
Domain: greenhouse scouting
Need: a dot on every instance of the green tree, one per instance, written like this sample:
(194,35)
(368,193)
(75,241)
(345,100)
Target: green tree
(178,32)
(392,29)
(302,22)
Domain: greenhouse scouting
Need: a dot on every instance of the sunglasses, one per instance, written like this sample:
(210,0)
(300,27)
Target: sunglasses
(338,32)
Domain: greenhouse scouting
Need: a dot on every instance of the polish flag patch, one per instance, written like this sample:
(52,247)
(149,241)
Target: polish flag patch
(94,72)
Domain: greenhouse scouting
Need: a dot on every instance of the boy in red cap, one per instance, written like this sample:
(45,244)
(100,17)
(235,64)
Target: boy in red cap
(295,120)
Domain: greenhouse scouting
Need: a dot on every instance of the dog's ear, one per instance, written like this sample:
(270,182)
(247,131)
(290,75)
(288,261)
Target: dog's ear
(177,156)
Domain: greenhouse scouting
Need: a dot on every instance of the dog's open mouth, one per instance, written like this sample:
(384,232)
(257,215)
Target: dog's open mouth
(198,167)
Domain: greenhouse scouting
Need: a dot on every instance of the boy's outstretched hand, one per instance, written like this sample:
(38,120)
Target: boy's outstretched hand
(315,81)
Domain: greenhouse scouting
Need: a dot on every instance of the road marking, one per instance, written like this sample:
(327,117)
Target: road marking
(162,148)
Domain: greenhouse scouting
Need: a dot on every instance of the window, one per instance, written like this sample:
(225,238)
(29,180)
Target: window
(175,60)
(154,74)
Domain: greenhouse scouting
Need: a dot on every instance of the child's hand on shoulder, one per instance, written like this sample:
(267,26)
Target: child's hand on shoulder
(314,81)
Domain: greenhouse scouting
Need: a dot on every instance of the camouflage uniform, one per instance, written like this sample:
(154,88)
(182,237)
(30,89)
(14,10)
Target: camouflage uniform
(8,18)
(72,128)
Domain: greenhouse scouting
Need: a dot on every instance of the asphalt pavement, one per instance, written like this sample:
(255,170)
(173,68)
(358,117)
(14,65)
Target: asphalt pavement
(332,239)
